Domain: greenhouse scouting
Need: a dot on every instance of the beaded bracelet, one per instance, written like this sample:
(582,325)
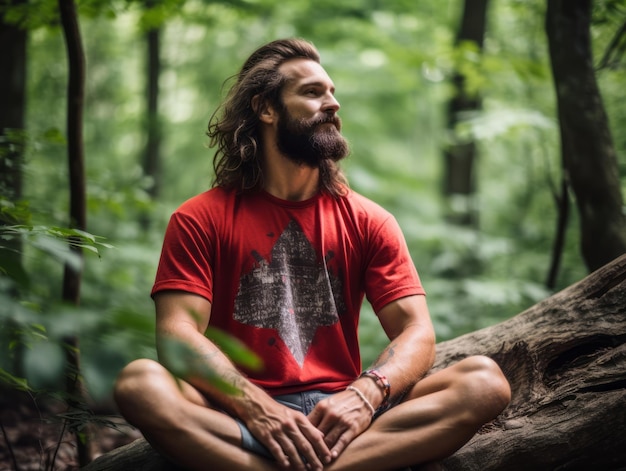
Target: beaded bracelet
(380,378)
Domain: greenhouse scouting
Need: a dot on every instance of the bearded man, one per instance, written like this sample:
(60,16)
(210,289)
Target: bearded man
(280,254)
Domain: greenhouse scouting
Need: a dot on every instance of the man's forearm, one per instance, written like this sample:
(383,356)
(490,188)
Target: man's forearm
(402,364)
(211,359)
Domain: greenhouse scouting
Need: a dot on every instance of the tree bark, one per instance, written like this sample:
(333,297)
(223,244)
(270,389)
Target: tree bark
(565,358)
(566,361)
(588,153)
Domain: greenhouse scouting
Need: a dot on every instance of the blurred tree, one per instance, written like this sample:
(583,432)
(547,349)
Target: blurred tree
(13,39)
(588,154)
(78,199)
(461,153)
(151,162)
(151,157)
(12,131)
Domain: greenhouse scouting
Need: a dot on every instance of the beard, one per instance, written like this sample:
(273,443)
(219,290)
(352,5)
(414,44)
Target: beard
(310,142)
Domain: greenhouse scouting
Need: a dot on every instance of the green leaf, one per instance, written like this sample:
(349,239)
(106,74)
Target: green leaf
(234,349)
(44,364)
(13,381)
(99,370)
(185,363)
(59,250)
(54,136)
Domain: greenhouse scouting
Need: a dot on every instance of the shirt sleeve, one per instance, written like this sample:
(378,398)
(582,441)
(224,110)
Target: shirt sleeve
(390,272)
(186,258)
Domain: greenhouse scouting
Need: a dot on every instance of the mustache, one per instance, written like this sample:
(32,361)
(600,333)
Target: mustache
(330,119)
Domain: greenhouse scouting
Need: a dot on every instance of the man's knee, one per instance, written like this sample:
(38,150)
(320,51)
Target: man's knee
(486,384)
(134,383)
(136,373)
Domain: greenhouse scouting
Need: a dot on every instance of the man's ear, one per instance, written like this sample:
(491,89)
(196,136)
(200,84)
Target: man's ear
(263,110)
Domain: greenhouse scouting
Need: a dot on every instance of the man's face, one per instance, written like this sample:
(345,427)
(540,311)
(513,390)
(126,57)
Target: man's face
(308,128)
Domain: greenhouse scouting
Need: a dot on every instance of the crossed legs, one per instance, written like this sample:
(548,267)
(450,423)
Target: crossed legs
(438,416)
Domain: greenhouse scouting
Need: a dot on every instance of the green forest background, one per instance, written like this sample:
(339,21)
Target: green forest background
(392,63)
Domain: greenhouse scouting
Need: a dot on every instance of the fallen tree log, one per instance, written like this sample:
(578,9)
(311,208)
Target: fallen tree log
(565,358)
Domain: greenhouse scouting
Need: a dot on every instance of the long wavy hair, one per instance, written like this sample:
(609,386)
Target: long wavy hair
(234,127)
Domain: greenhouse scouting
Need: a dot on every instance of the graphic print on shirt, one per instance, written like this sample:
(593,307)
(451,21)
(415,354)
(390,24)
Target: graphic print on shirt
(293,293)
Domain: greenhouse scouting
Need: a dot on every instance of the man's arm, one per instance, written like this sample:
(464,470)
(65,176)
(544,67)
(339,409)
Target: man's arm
(286,433)
(184,317)
(411,352)
(406,359)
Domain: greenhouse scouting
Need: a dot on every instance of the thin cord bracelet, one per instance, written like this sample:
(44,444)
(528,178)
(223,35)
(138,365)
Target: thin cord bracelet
(363,398)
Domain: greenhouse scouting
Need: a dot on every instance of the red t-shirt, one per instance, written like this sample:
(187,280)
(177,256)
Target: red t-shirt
(288,278)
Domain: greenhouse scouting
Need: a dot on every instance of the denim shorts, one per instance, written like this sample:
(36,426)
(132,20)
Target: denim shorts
(303,402)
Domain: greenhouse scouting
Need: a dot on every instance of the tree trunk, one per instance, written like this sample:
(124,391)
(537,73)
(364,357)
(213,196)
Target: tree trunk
(13,41)
(12,134)
(78,200)
(75,147)
(587,148)
(562,204)
(460,156)
(565,358)
(151,160)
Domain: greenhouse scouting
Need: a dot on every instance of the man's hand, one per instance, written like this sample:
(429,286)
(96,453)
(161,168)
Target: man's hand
(291,438)
(341,418)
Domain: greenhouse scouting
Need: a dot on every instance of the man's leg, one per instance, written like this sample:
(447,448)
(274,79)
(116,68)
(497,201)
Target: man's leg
(437,417)
(177,420)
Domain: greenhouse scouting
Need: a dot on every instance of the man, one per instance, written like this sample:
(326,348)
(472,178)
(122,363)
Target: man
(280,254)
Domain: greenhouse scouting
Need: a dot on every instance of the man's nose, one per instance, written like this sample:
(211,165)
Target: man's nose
(331,104)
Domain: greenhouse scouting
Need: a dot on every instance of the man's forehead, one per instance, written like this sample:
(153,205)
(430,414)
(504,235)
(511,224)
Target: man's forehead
(302,70)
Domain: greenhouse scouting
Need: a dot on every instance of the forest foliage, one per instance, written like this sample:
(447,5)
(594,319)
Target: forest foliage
(391,63)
